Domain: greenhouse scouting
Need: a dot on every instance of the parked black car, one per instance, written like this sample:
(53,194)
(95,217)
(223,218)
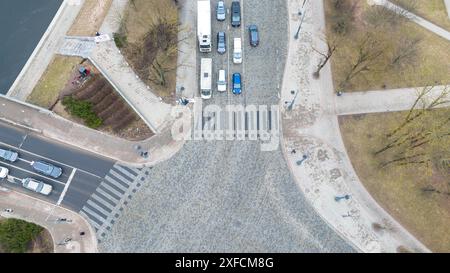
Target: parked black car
(235,14)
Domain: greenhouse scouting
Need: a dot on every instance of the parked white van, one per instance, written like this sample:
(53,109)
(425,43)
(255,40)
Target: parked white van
(222,81)
(237,53)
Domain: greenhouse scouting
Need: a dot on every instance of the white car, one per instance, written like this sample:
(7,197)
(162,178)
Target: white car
(237,53)
(222,81)
(221,11)
(3,172)
(37,186)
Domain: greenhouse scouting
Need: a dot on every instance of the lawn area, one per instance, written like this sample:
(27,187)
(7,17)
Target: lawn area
(400,189)
(90,18)
(55,78)
(432,10)
(18,236)
(423,64)
(149,40)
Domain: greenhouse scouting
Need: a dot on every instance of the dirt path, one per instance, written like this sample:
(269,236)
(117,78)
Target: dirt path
(90,18)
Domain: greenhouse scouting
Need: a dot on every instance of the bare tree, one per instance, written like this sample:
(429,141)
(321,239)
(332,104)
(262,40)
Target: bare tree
(405,52)
(420,134)
(369,50)
(332,46)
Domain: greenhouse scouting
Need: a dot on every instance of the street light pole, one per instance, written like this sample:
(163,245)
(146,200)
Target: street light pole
(301,22)
(289,108)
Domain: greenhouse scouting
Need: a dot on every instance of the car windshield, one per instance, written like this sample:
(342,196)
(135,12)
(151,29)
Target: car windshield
(237,55)
(43,167)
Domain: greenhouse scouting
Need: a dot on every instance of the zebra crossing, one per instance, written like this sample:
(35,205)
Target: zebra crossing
(251,123)
(105,205)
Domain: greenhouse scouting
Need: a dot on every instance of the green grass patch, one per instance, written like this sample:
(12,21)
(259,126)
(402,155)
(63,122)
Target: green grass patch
(15,235)
(53,81)
(83,110)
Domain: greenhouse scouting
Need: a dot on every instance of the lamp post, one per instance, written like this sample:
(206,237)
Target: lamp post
(338,198)
(291,105)
(299,162)
(301,22)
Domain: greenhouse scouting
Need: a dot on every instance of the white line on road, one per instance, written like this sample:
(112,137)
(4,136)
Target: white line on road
(30,172)
(61,197)
(51,160)
(24,160)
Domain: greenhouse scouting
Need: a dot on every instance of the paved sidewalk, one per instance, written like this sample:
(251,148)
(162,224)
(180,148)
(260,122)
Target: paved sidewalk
(158,115)
(418,20)
(46,123)
(311,129)
(384,100)
(187,72)
(108,59)
(44,51)
(45,214)
(447,5)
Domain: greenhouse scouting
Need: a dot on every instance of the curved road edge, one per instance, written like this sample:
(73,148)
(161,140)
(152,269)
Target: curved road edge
(65,235)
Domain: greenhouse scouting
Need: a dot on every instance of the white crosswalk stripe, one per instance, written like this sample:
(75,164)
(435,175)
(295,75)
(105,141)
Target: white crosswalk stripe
(111,189)
(102,201)
(98,207)
(107,201)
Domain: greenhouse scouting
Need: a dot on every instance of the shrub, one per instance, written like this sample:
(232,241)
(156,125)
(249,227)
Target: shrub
(83,110)
(16,234)
(120,40)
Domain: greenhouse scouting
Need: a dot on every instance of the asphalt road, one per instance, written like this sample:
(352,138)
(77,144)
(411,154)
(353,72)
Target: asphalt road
(228,196)
(82,171)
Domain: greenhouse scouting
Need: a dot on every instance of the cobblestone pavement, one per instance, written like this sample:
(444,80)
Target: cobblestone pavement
(212,198)
(228,196)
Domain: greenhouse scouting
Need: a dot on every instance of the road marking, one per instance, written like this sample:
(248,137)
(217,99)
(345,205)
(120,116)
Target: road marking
(124,171)
(95,214)
(48,159)
(33,173)
(113,199)
(98,207)
(92,222)
(116,183)
(102,201)
(112,190)
(24,160)
(23,141)
(61,197)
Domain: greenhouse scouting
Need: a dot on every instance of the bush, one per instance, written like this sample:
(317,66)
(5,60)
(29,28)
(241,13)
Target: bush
(83,110)
(120,40)
(16,234)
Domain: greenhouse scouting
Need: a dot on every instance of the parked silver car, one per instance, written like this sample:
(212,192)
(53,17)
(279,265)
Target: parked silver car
(37,186)
(46,169)
(221,42)
(221,11)
(8,155)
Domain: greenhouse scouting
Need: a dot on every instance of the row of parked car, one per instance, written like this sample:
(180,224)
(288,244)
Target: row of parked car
(222,42)
(41,167)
